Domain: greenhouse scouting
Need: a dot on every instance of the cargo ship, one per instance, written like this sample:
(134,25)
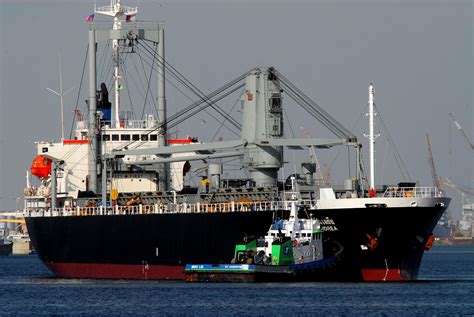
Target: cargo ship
(113,200)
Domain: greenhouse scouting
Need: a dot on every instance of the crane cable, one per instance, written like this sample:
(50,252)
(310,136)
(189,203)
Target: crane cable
(185,82)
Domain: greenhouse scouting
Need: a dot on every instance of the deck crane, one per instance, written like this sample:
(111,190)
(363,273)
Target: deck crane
(462,131)
(314,159)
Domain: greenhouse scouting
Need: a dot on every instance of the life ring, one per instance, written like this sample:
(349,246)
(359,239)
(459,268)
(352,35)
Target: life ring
(295,243)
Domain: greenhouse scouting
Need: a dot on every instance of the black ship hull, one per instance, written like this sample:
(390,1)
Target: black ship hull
(379,243)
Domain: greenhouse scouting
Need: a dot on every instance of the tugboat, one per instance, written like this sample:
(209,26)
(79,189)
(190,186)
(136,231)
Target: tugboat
(292,250)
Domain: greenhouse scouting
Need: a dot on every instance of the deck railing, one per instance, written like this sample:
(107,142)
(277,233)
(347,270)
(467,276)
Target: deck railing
(160,209)
(134,124)
(417,192)
(233,206)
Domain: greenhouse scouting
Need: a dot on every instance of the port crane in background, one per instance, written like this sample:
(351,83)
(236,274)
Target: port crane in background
(13,217)
(465,227)
(446,219)
(462,131)
(434,176)
(463,189)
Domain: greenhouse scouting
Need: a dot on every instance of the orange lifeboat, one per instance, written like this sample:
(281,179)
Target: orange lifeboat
(41,166)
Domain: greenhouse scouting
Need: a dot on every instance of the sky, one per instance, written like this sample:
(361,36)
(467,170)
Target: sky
(418,54)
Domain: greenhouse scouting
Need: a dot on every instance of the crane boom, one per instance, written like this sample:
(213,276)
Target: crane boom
(463,189)
(432,166)
(462,131)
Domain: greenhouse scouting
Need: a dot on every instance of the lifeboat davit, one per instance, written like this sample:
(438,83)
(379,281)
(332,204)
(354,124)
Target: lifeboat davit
(41,166)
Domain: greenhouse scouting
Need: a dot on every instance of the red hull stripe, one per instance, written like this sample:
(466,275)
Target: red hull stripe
(374,275)
(117,271)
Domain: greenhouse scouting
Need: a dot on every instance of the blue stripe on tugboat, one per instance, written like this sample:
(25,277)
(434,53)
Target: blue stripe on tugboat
(219,267)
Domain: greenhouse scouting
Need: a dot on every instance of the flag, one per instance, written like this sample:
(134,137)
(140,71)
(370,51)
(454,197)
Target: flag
(130,18)
(90,18)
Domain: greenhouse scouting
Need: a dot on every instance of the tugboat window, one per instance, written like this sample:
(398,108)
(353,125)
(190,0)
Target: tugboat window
(125,137)
(144,137)
(115,137)
(135,137)
(153,137)
(106,137)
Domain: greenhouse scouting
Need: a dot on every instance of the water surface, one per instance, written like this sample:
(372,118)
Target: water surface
(445,288)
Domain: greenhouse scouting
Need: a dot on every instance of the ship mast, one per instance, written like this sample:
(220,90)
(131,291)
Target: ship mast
(117,11)
(371,137)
